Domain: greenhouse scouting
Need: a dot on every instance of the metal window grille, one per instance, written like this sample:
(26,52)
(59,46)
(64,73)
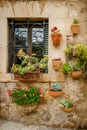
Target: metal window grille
(30,35)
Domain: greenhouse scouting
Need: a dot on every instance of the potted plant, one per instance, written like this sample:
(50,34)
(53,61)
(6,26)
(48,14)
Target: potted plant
(29,67)
(67,106)
(75,26)
(56,36)
(56,63)
(77,54)
(26,99)
(76,71)
(55,90)
(66,68)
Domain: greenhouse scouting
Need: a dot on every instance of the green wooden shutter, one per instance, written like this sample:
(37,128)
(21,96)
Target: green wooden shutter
(46,42)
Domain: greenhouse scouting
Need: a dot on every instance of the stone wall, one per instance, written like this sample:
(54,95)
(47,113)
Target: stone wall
(61,14)
(48,112)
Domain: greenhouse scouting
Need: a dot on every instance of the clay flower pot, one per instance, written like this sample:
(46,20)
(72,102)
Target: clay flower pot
(75,28)
(67,109)
(28,76)
(54,94)
(26,109)
(76,74)
(56,64)
(56,38)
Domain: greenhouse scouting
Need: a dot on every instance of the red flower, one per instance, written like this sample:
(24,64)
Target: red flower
(9,92)
(55,28)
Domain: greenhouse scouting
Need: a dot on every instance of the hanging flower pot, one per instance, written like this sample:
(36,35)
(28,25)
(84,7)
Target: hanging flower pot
(67,109)
(26,109)
(54,93)
(56,63)
(27,98)
(67,106)
(76,74)
(76,71)
(75,27)
(55,90)
(56,36)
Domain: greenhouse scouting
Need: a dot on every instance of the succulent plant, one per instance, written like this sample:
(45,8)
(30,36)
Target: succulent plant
(75,21)
(28,63)
(67,104)
(56,87)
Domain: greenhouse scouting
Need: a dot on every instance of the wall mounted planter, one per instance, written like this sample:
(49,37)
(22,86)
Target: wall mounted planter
(56,38)
(26,109)
(75,28)
(28,76)
(67,109)
(56,64)
(55,94)
(76,74)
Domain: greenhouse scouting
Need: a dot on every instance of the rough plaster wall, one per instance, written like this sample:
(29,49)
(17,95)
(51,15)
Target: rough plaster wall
(60,13)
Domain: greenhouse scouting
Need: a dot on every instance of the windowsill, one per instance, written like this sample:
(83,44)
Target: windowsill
(45,78)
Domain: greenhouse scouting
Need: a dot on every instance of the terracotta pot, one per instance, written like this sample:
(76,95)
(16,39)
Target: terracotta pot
(76,74)
(55,94)
(56,38)
(67,109)
(28,76)
(75,28)
(26,109)
(56,65)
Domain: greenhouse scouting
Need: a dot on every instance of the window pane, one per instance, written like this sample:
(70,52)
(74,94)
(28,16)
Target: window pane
(21,37)
(38,41)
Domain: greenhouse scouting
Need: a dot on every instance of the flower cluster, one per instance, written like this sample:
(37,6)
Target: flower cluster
(26,96)
(55,30)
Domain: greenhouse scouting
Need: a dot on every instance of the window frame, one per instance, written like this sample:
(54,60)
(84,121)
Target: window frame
(11,46)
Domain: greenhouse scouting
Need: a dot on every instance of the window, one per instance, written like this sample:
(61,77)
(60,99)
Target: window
(30,35)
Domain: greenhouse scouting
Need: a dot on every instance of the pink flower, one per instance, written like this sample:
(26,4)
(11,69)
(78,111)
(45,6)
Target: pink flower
(9,92)
(40,90)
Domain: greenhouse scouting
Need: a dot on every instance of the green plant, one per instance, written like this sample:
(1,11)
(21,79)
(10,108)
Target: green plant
(66,68)
(28,64)
(77,67)
(27,96)
(56,87)
(81,53)
(67,104)
(68,51)
(75,21)
(79,57)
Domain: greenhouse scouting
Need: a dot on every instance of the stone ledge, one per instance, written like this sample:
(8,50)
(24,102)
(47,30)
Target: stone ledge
(55,77)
